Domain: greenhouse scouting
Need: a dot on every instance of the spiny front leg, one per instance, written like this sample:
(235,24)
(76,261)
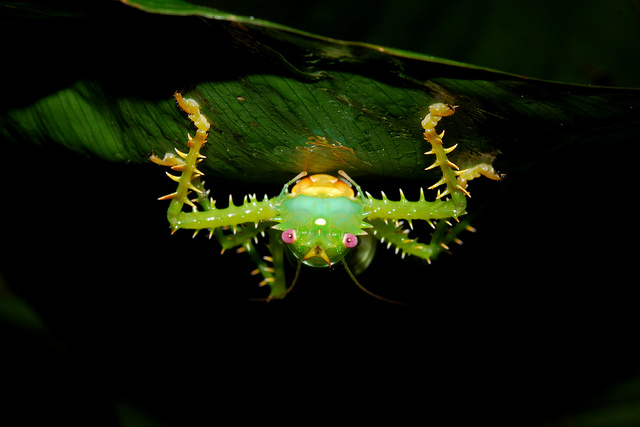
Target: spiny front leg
(410,210)
(422,209)
(453,206)
(185,163)
(251,210)
(457,192)
(246,221)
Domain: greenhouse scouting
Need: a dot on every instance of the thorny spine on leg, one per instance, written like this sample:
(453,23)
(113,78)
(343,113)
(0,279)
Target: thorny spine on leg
(251,210)
(442,208)
(457,192)
(185,163)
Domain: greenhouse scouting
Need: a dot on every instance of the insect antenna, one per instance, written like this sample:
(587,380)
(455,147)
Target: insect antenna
(365,290)
(295,280)
(348,178)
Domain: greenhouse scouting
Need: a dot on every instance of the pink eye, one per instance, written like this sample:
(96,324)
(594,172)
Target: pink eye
(289,236)
(349,240)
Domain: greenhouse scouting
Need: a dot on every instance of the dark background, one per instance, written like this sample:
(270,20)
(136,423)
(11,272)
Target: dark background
(531,320)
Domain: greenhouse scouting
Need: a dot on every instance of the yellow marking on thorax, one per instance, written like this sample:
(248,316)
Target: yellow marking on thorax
(322,185)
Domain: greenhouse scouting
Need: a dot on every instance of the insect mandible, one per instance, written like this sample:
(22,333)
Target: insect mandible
(320,218)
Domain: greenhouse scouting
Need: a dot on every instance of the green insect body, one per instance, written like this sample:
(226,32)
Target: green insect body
(319,230)
(320,218)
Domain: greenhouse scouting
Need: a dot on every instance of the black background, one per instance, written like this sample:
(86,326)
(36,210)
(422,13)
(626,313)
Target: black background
(528,321)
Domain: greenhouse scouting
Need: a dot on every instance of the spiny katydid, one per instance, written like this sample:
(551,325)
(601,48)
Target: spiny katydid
(320,218)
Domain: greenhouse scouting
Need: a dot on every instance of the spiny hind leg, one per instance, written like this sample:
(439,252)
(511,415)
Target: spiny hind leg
(269,267)
(277,278)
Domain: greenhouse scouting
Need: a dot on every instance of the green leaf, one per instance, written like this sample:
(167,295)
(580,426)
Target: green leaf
(282,100)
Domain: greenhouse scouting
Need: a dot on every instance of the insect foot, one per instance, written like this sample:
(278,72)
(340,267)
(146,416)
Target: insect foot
(481,169)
